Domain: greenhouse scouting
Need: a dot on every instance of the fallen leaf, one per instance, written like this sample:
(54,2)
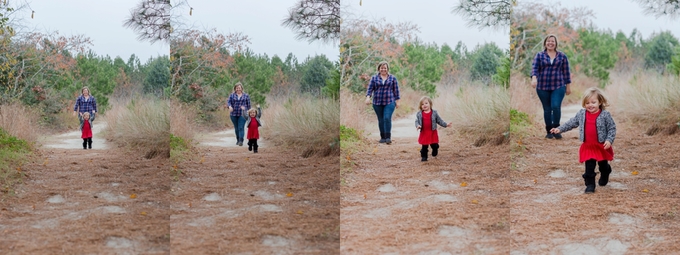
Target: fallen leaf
(175,166)
(247,159)
(645,190)
(133,196)
(189,205)
(364,196)
(464,184)
(143,213)
(348,158)
(535,181)
(635,173)
(299,212)
(18,169)
(474,201)
(289,194)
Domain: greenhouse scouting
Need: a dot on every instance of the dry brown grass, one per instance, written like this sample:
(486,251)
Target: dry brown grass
(182,120)
(647,99)
(305,123)
(20,121)
(141,124)
(479,113)
(354,113)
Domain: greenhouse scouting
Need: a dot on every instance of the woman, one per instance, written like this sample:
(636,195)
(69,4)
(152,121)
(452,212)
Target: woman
(384,88)
(551,78)
(85,103)
(238,104)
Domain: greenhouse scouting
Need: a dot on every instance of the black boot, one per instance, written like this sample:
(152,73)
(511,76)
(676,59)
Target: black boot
(435,149)
(557,136)
(255,147)
(250,145)
(423,153)
(388,138)
(549,135)
(590,183)
(89,143)
(605,170)
(84,144)
(382,138)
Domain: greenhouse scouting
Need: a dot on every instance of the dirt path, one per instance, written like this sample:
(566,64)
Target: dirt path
(633,214)
(393,203)
(77,201)
(232,201)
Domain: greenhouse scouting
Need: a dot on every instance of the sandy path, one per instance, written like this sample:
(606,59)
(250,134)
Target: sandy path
(232,201)
(77,201)
(394,204)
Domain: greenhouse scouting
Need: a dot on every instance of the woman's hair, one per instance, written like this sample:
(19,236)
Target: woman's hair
(86,114)
(238,84)
(546,39)
(383,63)
(83,90)
(252,110)
(420,103)
(593,91)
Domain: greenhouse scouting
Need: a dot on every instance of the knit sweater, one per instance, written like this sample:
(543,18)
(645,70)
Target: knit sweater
(606,128)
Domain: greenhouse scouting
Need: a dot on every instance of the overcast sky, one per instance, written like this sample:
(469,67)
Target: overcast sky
(622,15)
(101,21)
(434,18)
(260,20)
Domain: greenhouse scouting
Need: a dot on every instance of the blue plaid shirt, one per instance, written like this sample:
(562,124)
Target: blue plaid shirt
(383,93)
(551,76)
(85,105)
(236,103)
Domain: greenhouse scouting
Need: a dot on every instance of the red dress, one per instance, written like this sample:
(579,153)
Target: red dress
(591,148)
(427,135)
(252,129)
(87,130)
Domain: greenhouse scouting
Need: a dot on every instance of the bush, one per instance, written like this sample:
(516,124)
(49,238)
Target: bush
(13,152)
(305,123)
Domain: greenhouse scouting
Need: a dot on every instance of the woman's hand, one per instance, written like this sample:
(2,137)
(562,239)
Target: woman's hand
(568,89)
(534,81)
(231,109)
(368,101)
(607,145)
(396,104)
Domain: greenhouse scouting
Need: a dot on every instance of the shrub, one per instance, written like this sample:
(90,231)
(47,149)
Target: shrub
(141,124)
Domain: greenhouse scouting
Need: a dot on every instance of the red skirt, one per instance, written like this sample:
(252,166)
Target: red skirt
(596,151)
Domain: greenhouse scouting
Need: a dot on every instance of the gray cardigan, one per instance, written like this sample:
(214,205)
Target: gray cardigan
(257,117)
(606,128)
(435,119)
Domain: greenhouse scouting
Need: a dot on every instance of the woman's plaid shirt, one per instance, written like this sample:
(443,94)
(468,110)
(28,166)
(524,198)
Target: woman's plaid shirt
(383,94)
(551,76)
(236,103)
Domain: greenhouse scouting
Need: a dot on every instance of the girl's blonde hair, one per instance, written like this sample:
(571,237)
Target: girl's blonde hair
(593,91)
(420,103)
(252,110)
(546,40)
(86,114)
(381,64)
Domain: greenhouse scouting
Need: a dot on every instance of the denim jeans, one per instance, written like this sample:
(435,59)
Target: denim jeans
(384,113)
(552,105)
(239,126)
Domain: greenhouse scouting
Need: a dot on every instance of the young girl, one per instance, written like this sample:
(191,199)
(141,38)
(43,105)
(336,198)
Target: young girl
(426,121)
(253,123)
(597,131)
(86,128)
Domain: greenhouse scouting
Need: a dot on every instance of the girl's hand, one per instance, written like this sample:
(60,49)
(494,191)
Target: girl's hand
(418,127)
(368,100)
(450,124)
(607,145)
(555,131)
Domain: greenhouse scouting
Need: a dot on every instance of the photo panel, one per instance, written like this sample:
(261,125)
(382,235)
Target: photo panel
(85,142)
(594,121)
(425,155)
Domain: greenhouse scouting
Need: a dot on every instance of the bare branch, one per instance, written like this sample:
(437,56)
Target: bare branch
(315,20)
(660,8)
(485,13)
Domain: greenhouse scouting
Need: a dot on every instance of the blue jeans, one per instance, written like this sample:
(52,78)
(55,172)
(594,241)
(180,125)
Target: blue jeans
(239,126)
(384,113)
(552,105)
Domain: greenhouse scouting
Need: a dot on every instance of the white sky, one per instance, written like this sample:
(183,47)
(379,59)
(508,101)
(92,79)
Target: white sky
(101,21)
(260,20)
(434,18)
(622,15)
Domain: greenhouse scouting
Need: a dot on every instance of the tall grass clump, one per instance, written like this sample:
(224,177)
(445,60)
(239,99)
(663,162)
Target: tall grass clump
(480,113)
(649,99)
(354,113)
(304,123)
(182,130)
(20,121)
(13,153)
(141,124)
